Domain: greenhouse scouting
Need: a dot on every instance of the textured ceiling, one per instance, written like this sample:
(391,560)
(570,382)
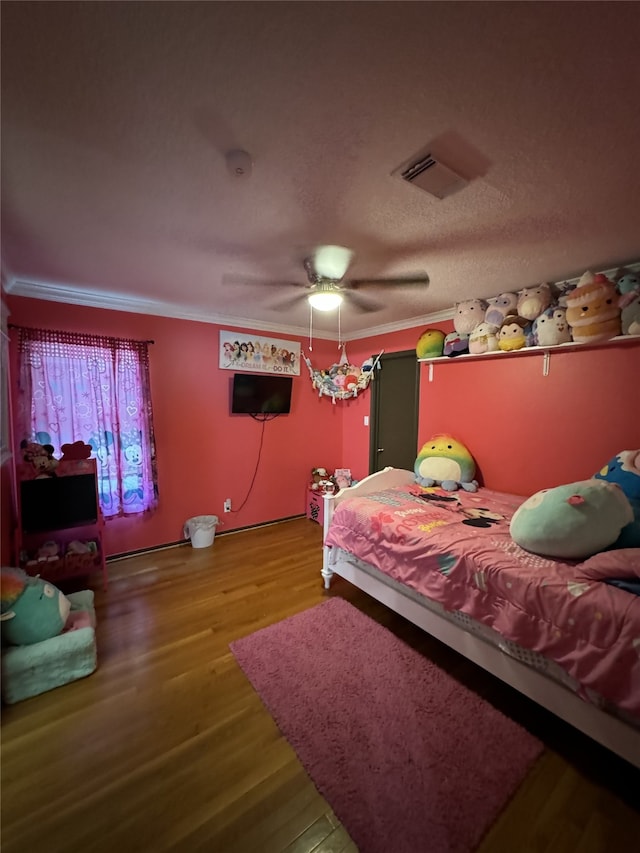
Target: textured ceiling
(116,118)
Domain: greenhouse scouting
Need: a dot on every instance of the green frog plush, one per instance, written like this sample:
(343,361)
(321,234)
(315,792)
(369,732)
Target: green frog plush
(31,609)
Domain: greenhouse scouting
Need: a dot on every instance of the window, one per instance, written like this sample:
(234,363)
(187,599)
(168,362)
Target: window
(96,389)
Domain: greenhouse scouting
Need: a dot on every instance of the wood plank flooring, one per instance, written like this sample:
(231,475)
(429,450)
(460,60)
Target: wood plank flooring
(167,747)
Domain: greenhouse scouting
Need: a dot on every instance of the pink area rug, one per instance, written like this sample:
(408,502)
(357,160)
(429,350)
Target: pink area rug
(409,759)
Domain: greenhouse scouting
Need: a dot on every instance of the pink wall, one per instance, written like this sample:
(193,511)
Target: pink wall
(205,454)
(527,431)
(355,447)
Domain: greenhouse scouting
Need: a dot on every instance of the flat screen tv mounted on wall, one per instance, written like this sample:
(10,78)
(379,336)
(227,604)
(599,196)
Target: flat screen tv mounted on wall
(260,393)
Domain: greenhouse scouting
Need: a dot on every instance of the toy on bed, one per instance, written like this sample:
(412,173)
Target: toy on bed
(624,470)
(573,521)
(32,609)
(593,312)
(444,461)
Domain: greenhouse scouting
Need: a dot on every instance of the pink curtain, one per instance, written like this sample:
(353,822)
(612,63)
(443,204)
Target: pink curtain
(96,389)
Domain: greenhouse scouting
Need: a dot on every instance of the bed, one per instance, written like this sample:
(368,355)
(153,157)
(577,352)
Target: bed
(554,630)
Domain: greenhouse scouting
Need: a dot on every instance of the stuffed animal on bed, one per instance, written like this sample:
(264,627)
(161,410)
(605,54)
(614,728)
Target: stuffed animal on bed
(32,609)
(444,461)
(573,521)
(624,470)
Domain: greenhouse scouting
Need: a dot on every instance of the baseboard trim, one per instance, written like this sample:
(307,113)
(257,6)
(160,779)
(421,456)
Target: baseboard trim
(114,558)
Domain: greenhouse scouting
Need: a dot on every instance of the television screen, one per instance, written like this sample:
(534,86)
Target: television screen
(53,503)
(258,393)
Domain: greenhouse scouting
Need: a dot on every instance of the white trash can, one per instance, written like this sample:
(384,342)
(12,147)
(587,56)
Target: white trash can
(201,529)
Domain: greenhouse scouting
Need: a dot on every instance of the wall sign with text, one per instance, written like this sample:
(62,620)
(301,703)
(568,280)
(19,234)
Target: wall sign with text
(240,351)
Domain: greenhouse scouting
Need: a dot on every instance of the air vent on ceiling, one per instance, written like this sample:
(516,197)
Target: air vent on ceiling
(431,175)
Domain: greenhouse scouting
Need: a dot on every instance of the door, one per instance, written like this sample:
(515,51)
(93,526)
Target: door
(394,412)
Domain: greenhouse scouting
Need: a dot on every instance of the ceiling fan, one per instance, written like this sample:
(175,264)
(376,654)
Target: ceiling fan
(327,288)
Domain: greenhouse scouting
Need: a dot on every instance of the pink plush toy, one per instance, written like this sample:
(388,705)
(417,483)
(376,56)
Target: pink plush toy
(532,301)
(468,314)
(484,338)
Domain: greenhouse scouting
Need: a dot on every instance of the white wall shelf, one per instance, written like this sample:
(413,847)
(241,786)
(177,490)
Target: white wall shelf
(545,352)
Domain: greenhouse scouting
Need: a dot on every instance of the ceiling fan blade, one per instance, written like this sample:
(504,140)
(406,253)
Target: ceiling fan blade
(360,302)
(254,281)
(331,262)
(292,302)
(420,279)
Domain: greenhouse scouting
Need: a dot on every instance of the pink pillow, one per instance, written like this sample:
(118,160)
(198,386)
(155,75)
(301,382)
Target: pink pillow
(619,563)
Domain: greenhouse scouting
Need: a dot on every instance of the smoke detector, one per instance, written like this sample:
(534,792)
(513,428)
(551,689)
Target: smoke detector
(431,175)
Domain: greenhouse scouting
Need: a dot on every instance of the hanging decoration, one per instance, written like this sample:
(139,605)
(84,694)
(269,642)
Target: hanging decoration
(343,380)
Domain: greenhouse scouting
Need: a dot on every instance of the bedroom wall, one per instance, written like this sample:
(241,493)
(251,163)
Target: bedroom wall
(526,431)
(204,454)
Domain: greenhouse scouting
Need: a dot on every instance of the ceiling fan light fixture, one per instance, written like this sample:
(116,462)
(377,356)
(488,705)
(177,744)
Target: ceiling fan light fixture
(325,300)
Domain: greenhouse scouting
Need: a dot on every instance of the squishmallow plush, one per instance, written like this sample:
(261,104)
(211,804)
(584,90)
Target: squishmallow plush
(532,301)
(430,344)
(455,344)
(32,609)
(499,307)
(628,286)
(484,338)
(444,461)
(468,314)
(551,328)
(512,334)
(573,521)
(624,470)
(593,312)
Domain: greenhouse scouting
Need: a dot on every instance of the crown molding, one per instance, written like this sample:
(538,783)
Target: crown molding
(131,304)
(100,299)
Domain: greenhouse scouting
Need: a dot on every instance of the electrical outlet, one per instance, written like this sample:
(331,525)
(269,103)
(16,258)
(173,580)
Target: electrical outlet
(227,505)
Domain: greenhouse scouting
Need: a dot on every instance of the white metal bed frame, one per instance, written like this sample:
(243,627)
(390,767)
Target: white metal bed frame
(612,732)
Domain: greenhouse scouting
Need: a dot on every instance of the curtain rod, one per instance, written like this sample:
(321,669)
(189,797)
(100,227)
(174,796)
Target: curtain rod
(31,329)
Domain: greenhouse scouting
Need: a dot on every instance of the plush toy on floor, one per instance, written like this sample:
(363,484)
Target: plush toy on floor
(444,461)
(31,610)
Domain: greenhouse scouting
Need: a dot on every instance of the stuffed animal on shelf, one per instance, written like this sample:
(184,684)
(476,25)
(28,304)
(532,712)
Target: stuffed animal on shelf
(512,334)
(444,461)
(49,550)
(40,456)
(499,307)
(628,286)
(31,609)
(551,328)
(468,314)
(455,343)
(532,301)
(593,312)
(624,471)
(572,521)
(484,338)
(430,344)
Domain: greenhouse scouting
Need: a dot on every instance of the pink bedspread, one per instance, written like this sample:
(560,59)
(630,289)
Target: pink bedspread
(456,548)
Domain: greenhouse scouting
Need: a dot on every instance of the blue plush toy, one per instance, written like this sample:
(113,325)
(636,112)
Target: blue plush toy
(624,469)
(32,609)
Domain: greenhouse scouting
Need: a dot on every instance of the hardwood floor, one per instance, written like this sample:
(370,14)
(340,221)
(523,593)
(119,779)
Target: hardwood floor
(167,747)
